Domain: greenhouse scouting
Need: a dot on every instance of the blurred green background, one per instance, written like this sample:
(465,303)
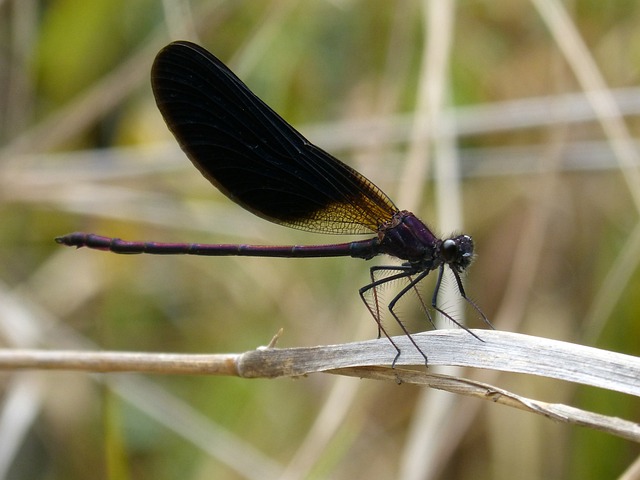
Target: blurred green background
(543,191)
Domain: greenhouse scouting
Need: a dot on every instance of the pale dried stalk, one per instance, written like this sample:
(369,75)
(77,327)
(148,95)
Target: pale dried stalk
(503,351)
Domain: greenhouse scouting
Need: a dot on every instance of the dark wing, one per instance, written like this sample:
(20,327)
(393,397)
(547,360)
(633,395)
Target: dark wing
(253,155)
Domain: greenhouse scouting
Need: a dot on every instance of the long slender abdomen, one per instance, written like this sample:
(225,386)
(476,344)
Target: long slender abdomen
(361,249)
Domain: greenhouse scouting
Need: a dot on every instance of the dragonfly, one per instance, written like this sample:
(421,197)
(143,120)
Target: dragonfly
(258,160)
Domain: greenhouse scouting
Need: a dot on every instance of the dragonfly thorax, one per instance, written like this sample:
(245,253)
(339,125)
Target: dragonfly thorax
(406,237)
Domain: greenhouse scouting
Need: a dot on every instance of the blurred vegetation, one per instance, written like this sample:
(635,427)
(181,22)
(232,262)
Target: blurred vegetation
(84,148)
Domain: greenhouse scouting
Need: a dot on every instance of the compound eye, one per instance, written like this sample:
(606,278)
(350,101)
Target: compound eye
(449,250)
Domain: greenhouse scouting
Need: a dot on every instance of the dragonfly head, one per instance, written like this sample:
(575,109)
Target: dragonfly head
(457,252)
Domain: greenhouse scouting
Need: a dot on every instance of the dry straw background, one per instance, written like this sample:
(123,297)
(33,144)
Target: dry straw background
(516,122)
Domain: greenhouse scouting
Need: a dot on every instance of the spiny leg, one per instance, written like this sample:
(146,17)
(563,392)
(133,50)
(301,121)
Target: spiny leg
(434,299)
(377,282)
(404,272)
(423,305)
(471,302)
(376,301)
(392,304)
